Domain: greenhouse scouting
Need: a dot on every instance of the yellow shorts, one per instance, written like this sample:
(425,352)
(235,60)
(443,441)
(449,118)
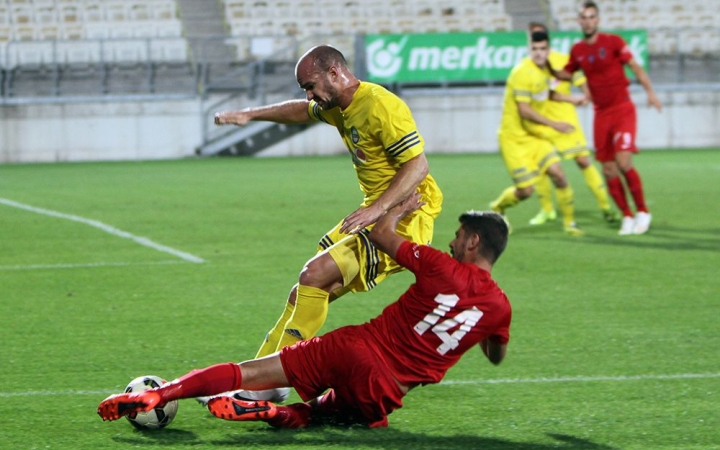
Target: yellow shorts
(526,158)
(362,265)
(572,145)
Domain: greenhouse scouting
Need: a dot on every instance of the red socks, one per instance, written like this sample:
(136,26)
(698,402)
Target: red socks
(636,189)
(617,192)
(211,380)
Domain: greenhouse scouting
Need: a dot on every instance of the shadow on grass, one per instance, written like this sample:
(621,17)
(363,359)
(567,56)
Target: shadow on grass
(660,236)
(327,437)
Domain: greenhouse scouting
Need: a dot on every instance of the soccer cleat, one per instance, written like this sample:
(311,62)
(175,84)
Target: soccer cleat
(627,226)
(278,395)
(543,216)
(642,223)
(610,215)
(119,405)
(229,408)
(573,230)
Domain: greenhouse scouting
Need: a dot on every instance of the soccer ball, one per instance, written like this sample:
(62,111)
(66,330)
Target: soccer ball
(155,418)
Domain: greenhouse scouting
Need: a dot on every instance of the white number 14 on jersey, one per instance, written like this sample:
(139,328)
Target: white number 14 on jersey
(463,321)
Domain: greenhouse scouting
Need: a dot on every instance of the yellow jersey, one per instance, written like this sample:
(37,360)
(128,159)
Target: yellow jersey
(561,111)
(527,83)
(380,133)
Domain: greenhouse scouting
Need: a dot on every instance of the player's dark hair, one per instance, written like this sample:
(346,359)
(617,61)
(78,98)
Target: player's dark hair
(491,228)
(532,25)
(539,36)
(326,56)
(590,4)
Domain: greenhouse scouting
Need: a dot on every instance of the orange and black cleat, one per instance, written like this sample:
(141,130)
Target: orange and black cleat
(119,405)
(230,408)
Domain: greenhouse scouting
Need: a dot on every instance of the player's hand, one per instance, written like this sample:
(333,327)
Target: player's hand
(231,118)
(361,218)
(564,127)
(654,101)
(581,100)
(410,204)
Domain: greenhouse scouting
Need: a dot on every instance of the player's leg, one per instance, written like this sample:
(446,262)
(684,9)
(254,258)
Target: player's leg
(265,373)
(625,132)
(543,188)
(594,181)
(565,196)
(605,154)
(517,154)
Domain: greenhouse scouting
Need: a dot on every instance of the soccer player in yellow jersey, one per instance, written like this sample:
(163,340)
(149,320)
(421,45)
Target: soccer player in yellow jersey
(386,148)
(569,146)
(526,155)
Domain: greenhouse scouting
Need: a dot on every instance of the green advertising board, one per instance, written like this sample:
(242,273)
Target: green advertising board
(440,57)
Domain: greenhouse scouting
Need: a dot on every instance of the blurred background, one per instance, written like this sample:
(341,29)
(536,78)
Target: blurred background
(141,79)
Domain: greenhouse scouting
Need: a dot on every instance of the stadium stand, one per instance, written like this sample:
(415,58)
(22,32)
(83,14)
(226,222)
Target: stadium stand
(50,39)
(684,27)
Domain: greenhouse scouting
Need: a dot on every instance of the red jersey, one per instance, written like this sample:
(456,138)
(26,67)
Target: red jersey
(603,64)
(451,307)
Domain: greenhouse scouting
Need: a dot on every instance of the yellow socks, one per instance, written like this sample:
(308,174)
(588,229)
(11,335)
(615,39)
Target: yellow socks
(270,344)
(567,207)
(543,188)
(311,308)
(596,185)
(506,200)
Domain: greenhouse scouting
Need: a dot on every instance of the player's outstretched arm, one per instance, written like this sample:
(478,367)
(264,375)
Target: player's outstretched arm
(290,112)
(384,234)
(644,80)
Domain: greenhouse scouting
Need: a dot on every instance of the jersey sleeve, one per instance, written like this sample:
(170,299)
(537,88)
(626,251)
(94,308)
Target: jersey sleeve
(419,258)
(578,78)
(521,86)
(397,129)
(572,65)
(317,114)
(623,50)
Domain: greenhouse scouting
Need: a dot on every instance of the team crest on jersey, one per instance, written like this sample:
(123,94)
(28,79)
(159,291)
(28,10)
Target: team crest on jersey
(354,135)
(591,58)
(359,156)
(602,53)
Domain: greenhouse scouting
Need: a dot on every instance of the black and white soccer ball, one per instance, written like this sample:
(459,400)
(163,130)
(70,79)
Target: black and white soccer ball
(155,418)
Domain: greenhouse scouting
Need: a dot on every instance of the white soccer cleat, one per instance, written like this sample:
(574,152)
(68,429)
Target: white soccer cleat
(278,395)
(642,223)
(627,226)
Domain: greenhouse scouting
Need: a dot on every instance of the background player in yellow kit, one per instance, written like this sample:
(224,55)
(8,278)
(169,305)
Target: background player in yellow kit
(569,146)
(387,152)
(526,155)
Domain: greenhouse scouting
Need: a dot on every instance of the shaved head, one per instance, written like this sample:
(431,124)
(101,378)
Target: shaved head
(321,58)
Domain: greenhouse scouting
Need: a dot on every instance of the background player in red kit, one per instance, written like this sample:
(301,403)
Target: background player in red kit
(359,374)
(602,58)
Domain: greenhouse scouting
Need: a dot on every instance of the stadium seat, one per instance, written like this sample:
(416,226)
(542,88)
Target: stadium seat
(20,13)
(93,12)
(24,32)
(69,13)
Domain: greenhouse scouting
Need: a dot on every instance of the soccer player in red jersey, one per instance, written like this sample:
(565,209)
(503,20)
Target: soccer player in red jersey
(602,58)
(359,374)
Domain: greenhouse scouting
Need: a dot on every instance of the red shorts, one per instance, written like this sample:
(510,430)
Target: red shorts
(344,361)
(614,131)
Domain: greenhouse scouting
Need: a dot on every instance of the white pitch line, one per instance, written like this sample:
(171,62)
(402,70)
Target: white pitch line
(88,265)
(680,376)
(106,228)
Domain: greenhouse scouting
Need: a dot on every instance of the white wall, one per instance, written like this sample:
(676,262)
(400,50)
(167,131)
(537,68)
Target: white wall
(99,131)
(466,122)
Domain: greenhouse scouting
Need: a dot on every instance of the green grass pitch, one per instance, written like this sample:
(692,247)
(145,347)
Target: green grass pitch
(614,339)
